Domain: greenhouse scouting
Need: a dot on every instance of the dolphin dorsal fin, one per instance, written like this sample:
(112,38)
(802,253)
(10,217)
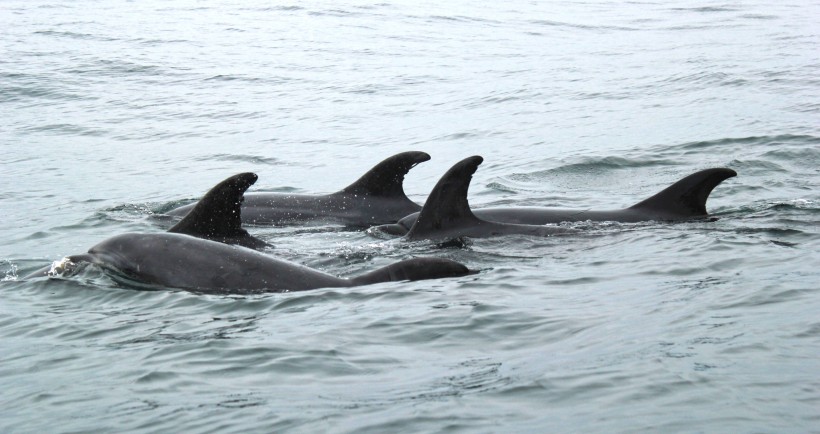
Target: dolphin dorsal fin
(386,178)
(218,213)
(447,206)
(687,197)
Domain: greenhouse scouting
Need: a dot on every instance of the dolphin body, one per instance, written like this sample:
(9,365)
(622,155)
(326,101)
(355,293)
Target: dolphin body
(446,214)
(683,200)
(181,261)
(205,263)
(377,197)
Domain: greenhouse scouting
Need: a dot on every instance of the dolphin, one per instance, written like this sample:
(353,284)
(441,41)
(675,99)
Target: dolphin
(375,198)
(446,214)
(179,260)
(683,200)
(182,261)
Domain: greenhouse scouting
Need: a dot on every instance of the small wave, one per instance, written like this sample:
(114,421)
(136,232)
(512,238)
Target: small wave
(707,9)
(504,186)
(759,17)
(67,129)
(812,331)
(772,296)
(21,86)
(462,19)
(38,91)
(153,42)
(612,95)
(807,107)
(705,78)
(184,8)
(783,243)
(254,159)
(222,77)
(74,35)
(750,167)
(460,136)
(592,166)
(283,8)
(114,68)
(502,98)
(789,205)
(550,23)
(238,401)
(791,213)
(753,140)
(698,27)
(808,157)
(334,13)
(369,89)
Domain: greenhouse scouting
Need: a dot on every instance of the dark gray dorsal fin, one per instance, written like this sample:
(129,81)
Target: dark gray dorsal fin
(446,206)
(687,197)
(386,179)
(218,213)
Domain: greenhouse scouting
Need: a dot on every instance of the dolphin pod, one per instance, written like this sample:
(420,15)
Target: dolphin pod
(375,198)
(208,250)
(193,254)
(447,213)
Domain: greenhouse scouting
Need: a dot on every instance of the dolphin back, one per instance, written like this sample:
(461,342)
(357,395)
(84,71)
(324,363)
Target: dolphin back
(687,197)
(413,269)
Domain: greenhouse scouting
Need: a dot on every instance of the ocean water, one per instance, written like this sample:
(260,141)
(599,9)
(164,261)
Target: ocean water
(113,112)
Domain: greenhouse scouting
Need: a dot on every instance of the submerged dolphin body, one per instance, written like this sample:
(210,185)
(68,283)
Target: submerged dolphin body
(193,254)
(377,197)
(683,200)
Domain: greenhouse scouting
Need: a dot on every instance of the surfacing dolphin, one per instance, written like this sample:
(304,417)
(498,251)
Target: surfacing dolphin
(185,262)
(179,260)
(683,200)
(377,197)
(446,214)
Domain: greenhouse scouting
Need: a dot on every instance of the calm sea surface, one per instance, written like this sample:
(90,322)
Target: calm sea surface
(112,111)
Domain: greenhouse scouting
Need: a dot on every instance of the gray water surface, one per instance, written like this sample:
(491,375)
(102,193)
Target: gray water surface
(113,112)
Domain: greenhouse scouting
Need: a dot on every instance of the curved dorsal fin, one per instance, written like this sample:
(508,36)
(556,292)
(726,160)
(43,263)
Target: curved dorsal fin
(386,178)
(687,197)
(446,206)
(218,213)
